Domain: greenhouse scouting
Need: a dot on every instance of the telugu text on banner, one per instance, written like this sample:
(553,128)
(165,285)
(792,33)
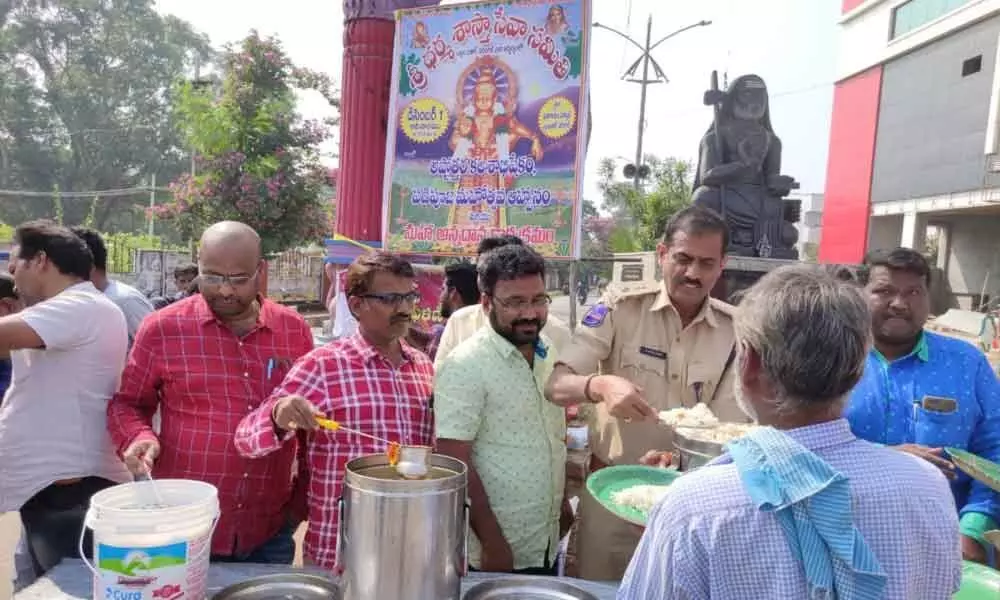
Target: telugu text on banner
(488,127)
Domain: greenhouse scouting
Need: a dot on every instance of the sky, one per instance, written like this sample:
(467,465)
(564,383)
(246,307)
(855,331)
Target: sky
(790,43)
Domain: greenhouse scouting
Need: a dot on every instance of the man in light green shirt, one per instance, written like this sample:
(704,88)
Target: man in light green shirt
(491,414)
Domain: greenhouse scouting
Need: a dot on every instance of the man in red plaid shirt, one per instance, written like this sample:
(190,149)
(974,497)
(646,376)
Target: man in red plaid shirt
(372,381)
(206,362)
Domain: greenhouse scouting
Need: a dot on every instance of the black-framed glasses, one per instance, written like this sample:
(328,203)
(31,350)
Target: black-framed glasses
(214,279)
(393,298)
(521,303)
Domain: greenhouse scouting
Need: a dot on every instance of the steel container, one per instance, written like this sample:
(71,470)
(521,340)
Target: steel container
(403,539)
(695,452)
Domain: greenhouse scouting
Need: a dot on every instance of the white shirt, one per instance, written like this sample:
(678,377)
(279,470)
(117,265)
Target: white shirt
(469,319)
(53,422)
(133,303)
(344,323)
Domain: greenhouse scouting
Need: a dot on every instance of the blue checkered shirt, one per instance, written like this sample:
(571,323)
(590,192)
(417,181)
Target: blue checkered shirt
(707,540)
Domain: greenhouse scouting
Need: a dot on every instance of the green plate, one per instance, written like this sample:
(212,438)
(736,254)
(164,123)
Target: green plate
(978,583)
(977,467)
(605,482)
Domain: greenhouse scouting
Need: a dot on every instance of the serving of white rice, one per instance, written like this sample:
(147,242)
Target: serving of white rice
(699,415)
(640,497)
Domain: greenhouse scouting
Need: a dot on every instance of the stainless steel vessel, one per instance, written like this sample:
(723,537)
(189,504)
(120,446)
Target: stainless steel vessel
(695,452)
(402,539)
(535,588)
(286,586)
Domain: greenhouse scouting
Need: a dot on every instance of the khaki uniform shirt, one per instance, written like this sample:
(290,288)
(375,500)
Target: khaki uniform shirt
(638,335)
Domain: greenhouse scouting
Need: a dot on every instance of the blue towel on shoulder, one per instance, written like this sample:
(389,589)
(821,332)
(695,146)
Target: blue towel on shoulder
(813,505)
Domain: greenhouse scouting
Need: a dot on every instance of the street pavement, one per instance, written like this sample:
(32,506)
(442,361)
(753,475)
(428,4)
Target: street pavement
(10,525)
(560,307)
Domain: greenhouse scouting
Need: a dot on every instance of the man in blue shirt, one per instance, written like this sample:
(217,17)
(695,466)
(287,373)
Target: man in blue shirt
(922,392)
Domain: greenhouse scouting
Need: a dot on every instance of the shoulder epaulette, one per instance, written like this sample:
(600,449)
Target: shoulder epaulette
(722,307)
(615,294)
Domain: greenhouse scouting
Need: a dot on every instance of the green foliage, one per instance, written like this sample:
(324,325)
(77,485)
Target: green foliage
(85,97)
(258,160)
(640,216)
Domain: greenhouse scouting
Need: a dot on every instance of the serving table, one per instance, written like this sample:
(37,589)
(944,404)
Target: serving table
(70,580)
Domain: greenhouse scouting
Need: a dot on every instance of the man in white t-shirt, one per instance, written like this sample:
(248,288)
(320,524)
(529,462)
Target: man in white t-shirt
(68,349)
(133,303)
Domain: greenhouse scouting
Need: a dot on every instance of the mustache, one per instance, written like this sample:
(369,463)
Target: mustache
(898,315)
(518,322)
(687,281)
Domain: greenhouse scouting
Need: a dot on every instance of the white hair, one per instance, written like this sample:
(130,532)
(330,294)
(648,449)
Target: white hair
(811,331)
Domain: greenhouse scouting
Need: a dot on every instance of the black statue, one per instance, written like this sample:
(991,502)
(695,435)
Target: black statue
(739,176)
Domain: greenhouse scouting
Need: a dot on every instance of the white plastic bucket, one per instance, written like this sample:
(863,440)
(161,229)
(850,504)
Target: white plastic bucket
(156,553)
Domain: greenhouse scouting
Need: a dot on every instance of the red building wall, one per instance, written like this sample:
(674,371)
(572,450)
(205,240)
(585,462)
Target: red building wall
(847,198)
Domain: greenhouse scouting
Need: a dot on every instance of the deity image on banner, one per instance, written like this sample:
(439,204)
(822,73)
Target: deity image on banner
(556,24)
(420,36)
(487,128)
(557,27)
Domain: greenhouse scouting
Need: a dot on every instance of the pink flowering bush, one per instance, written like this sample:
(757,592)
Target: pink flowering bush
(257,159)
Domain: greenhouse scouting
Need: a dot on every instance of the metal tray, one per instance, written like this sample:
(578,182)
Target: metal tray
(526,588)
(283,586)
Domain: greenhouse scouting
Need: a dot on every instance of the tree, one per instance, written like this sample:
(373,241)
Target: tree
(85,103)
(258,160)
(640,216)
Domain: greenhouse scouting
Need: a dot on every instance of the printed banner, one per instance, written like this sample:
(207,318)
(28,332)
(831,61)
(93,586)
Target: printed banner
(488,128)
(430,281)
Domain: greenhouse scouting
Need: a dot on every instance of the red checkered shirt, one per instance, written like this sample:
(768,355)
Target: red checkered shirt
(205,379)
(352,383)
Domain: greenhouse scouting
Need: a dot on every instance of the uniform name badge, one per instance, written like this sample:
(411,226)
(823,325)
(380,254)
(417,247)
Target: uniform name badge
(939,404)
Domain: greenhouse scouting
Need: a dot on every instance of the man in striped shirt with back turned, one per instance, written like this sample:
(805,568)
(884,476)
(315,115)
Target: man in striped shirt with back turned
(206,362)
(801,508)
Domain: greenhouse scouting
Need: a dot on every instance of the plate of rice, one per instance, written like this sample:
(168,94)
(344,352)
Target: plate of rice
(630,491)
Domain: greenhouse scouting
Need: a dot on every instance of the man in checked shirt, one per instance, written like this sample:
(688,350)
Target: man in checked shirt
(206,362)
(372,381)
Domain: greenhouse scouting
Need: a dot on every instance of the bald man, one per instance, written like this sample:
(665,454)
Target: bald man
(206,362)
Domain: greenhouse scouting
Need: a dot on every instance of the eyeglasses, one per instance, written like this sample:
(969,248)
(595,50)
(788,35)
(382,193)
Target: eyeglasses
(521,303)
(212,279)
(393,298)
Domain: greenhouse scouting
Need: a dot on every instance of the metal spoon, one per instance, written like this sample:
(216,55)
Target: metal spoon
(147,477)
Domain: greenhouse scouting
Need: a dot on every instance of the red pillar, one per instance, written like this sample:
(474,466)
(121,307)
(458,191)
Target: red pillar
(364,108)
(369,27)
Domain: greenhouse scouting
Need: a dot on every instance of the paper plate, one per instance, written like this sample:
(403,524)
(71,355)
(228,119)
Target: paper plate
(977,467)
(605,482)
(978,583)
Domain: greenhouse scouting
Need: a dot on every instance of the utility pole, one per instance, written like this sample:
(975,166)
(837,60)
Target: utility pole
(643,84)
(638,171)
(152,203)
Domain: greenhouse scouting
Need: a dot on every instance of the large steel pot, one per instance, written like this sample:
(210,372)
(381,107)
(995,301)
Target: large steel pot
(403,539)
(695,452)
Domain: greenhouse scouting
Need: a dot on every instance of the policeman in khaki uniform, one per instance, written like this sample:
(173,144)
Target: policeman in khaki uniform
(663,347)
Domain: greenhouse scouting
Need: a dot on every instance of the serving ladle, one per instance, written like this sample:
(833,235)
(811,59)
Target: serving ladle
(410,462)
